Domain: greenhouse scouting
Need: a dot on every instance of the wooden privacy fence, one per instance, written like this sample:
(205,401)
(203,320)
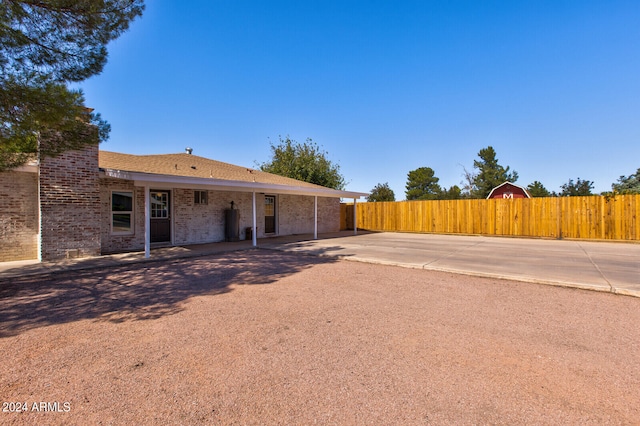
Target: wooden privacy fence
(593,217)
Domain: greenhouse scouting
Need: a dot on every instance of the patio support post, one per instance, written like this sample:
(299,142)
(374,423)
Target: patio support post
(355,216)
(315,217)
(255,230)
(147,222)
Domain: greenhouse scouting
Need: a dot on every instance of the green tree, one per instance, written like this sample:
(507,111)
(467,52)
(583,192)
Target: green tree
(537,189)
(578,188)
(303,161)
(422,184)
(628,184)
(45,45)
(381,192)
(453,193)
(489,173)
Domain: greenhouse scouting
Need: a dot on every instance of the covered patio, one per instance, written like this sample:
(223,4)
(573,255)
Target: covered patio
(181,176)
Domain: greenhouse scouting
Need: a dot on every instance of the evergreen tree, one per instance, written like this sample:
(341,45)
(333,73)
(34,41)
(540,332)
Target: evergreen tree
(537,189)
(422,184)
(44,45)
(453,193)
(489,173)
(305,162)
(628,184)
(578,188)
(381,192)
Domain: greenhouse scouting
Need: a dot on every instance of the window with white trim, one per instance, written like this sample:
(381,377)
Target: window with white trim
(122,212)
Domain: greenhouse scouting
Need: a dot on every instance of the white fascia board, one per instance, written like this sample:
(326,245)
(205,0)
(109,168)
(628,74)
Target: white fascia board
(186,182)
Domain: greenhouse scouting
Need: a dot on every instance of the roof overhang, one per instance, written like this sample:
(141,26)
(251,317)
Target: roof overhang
(186,182)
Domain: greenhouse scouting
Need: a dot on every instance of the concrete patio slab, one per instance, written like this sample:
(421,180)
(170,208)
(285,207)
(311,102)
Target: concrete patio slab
(602,266)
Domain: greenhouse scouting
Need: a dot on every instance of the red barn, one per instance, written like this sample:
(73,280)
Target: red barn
(509,190)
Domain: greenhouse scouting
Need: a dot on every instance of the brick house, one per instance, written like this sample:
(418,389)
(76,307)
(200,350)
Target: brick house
(91,202)
(509,190)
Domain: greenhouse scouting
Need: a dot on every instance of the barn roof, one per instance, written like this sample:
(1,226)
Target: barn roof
(507,183)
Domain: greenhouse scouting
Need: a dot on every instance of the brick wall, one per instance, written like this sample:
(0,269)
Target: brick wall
(19,217)
(295,214)
(205,223)
(70,205)
(75,209)
(328,214)
(192,224)
(121,243)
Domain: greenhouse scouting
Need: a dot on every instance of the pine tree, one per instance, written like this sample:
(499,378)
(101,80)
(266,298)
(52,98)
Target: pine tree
(537,189)
(422,184)
(578,188)
(628,184)
(489,173)
(44,45)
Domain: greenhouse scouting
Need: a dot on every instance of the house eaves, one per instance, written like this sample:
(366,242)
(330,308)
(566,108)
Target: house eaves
(188,182)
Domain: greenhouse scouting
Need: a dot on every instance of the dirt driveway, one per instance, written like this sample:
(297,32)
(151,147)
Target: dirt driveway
(266,337)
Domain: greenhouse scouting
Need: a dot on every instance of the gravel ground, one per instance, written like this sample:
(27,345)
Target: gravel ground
(265,337)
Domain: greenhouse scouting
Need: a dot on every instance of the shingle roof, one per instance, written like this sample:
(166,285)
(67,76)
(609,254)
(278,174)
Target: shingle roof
(190,165)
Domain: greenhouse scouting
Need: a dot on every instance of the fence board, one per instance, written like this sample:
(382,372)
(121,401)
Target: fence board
(593,217)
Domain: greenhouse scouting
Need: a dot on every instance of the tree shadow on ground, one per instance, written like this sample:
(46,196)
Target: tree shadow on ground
(138,291)
(336,252)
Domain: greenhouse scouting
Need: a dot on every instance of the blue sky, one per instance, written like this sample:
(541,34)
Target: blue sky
(384,87)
